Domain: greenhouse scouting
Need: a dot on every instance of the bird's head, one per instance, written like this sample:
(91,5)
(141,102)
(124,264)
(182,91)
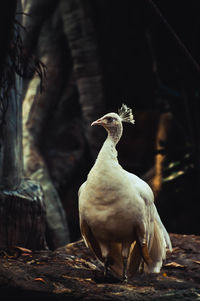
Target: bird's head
(108,121)
(112,122)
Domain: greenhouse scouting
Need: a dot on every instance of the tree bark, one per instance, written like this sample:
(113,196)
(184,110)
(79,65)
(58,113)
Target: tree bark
(39,110)
(56,142)
(80,33)
(22,211)
(23,217)
(11,141)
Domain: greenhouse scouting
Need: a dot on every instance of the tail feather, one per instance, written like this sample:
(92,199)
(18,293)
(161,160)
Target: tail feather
(162,228)
(157,251)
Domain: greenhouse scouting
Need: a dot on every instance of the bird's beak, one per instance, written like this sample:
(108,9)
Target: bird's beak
(97,122)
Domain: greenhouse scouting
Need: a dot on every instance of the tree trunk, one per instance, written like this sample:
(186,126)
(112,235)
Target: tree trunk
(80,33)
(11,142)
(38,112)
(55,139)
(22,211)
(23,217)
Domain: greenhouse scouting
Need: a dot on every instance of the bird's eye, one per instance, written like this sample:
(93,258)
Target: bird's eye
(109,119)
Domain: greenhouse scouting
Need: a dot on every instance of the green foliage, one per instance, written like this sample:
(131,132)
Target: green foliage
(178,168)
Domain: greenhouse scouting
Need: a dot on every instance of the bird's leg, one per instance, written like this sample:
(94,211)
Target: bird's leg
(125,254)
(106,258)
(125,276)
(106,265)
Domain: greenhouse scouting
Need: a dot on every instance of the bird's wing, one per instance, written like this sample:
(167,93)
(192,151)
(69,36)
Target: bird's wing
(157,237)
(90,239)
(142,190)
(148,197)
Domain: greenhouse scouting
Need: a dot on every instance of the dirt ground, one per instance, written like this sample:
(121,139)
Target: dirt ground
(73,272)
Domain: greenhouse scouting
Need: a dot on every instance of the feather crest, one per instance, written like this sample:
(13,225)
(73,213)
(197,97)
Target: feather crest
(126,114)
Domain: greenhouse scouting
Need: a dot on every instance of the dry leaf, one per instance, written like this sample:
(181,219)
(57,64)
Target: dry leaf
(23,250)
(26,254)
(40,279)
(174,264)
(196,261)
(16,251)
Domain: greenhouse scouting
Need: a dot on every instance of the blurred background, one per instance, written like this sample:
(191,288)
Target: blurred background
(98,54)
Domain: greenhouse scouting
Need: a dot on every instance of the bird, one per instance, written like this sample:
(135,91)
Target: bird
(118,218)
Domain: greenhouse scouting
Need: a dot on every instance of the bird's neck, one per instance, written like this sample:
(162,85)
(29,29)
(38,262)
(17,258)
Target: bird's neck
(108,150)
(115,134)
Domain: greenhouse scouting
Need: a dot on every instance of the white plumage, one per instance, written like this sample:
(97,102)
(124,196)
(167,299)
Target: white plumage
(118,219)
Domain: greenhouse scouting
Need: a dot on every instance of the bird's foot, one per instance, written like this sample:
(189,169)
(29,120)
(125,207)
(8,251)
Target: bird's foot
(125,276)
(109,278)
(107,262)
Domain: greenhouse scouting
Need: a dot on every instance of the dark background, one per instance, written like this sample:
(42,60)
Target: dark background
(100,54)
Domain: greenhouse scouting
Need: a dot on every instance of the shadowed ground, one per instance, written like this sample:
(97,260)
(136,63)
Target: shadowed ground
(72,271)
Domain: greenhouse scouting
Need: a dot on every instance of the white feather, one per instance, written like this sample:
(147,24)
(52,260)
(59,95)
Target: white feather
(118,217)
